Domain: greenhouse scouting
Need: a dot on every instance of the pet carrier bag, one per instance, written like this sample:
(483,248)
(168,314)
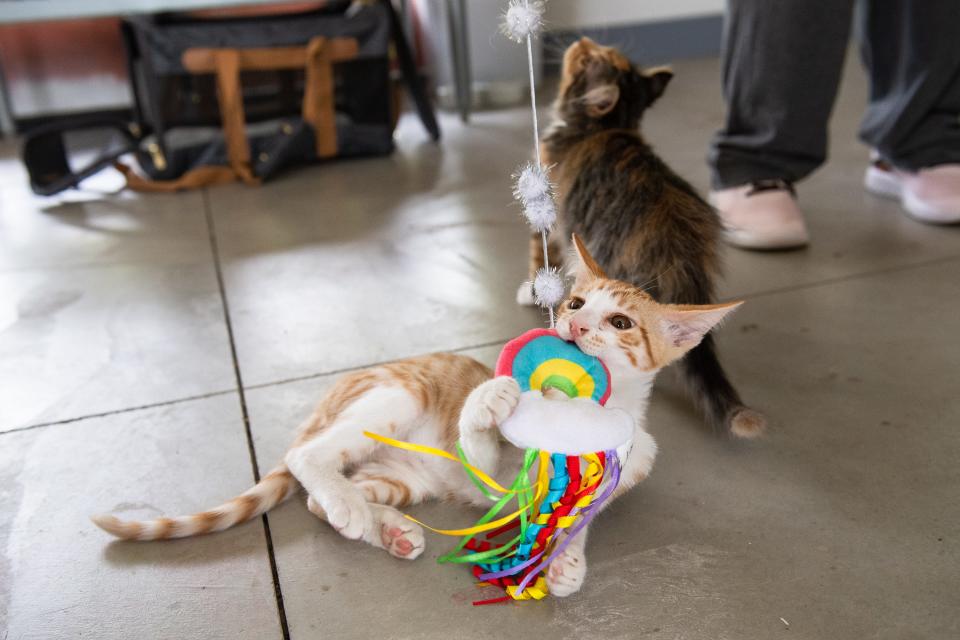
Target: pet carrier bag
(224,99)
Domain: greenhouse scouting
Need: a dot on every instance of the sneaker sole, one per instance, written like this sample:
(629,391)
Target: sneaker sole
(744,240)
(920,210)
(884,184)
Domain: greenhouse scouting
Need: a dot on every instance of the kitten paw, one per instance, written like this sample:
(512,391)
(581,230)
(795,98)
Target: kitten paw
(525,297)
(349,515)
(314,507)
(400,537)
(566,573)
(490,404)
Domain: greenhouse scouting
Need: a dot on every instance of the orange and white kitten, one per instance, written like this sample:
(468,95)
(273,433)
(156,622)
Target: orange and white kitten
(357,484)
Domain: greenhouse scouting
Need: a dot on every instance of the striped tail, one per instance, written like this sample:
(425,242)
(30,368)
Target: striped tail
(273,488)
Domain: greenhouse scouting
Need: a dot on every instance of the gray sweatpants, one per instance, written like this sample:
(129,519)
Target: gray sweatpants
(782,61)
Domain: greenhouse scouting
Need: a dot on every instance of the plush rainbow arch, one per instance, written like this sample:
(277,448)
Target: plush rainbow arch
(540,358)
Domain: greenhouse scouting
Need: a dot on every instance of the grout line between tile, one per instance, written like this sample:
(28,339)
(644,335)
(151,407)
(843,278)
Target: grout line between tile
(251,448)
(113,412)
(211,230)
(222,392)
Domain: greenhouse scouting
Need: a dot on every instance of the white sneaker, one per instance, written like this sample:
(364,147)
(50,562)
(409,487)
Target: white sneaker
(763,215)
(929,195)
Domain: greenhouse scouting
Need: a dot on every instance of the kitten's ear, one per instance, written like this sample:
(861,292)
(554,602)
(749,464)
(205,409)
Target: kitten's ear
(599,101)
(657,80)
(587,268)
(685,325)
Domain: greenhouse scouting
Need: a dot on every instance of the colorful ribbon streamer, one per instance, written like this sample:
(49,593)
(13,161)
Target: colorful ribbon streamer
(551,510)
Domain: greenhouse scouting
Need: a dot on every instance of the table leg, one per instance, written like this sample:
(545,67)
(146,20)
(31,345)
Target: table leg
(460,52)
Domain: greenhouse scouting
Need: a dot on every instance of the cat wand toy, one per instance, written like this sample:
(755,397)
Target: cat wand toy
(578,468)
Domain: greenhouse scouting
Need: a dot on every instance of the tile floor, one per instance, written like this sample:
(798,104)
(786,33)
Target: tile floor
(141,337)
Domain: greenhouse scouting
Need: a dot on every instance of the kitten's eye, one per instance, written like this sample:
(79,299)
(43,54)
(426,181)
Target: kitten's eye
(621,322)
(575,303)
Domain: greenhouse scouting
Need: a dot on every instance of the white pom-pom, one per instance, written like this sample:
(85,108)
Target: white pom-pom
(533,189)
(541,213)
(523,18)
(548,287)
(530,183)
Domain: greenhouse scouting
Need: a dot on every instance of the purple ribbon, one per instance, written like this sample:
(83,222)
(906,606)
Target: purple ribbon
(587,515)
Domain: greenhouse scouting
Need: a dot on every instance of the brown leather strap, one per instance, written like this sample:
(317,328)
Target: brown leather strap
(193,179)
(318,103)
(202,60)
(319,108)
(230,100)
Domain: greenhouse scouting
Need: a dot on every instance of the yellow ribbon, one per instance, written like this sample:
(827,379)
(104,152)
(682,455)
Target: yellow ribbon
(584,501)
(469,531)
(422,448)
(594,471)
(562,522)
(542,480)
(536,591)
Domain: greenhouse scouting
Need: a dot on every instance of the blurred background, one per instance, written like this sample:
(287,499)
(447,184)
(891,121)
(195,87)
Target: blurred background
(67,57)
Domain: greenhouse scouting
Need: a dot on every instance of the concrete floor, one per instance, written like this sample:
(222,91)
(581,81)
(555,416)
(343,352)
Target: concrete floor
(138,335)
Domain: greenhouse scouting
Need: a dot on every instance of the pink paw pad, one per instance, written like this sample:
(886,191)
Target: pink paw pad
(395,542)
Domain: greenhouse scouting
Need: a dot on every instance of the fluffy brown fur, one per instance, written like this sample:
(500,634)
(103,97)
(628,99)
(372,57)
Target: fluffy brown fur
(644,224)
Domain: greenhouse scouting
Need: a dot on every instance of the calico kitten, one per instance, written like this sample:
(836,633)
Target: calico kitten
(644,223)
(358,485)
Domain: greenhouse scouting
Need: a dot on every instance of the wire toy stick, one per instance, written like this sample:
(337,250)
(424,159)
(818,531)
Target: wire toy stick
(522,21)
(533,101)
(570,444)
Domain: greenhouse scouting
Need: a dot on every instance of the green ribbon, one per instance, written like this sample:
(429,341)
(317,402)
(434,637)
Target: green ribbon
(470,474)
(523,491)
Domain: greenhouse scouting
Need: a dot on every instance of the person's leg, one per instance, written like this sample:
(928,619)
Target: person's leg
(912,52)
(782,63)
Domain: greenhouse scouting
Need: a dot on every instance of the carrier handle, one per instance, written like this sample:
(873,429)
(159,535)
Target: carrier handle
(317,59)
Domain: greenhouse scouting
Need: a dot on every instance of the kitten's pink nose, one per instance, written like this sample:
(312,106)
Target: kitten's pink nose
(577,329)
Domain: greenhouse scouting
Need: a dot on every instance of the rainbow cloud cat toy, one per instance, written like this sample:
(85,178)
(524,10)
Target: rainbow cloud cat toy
(562,425)
(559,421)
